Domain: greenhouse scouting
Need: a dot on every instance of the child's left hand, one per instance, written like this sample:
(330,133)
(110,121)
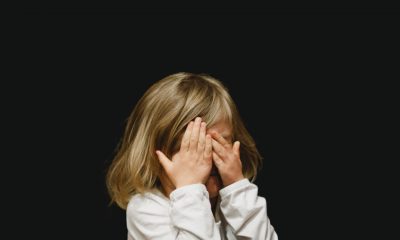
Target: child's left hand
(227,159)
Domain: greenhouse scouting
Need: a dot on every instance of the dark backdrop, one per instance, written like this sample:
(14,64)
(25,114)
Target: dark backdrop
(299,81)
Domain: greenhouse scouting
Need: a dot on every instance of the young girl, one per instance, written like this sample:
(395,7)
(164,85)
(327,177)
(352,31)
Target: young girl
(183,167)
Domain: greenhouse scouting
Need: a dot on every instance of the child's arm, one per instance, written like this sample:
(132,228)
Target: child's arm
(246,212)
(243,209)
(191,213)
(187,216)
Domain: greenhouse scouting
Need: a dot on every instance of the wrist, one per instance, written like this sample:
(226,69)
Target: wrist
(232,180)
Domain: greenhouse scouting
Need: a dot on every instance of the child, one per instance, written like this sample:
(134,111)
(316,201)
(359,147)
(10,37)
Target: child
(183,167)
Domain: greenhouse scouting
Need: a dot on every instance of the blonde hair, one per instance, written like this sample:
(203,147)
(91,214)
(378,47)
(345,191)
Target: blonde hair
(159,120)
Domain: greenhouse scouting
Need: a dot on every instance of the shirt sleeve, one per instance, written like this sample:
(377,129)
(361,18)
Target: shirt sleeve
(246,212)
(191,213)
(187,216)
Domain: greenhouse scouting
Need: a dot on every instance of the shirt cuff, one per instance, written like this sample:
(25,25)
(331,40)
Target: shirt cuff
(192,189)
(233,187)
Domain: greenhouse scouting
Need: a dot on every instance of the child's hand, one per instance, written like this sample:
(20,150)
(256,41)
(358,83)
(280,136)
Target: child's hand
(227,159)
(192,164)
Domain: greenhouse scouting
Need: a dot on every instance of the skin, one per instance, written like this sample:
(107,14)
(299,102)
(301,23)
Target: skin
(206,156)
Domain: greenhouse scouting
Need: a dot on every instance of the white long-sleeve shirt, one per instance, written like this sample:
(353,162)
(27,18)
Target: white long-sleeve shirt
(240,214)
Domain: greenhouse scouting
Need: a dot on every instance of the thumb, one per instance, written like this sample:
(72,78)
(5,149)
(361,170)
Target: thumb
(236,148)
(165,162)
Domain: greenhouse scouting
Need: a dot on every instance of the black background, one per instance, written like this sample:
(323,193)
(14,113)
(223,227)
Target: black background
(307,85)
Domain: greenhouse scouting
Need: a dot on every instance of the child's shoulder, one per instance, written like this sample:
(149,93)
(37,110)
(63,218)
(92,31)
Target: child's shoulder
(152,200)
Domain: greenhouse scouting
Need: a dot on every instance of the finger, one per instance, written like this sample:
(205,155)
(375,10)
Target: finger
(165,162)
(236,148)
(202,137)
(208,148)
(217,160)
(220,139)
(186,137)
(218,148)
(194,137)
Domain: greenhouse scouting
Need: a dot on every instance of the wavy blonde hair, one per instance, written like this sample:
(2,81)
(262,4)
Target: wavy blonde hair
(159,120)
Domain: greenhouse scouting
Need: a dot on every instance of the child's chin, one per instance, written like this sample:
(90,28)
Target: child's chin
(213,185)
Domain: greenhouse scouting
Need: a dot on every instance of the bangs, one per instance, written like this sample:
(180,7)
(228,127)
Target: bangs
(218,110)
(207,98)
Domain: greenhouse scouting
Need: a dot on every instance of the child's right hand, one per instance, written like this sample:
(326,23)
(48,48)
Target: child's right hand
(192,164)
